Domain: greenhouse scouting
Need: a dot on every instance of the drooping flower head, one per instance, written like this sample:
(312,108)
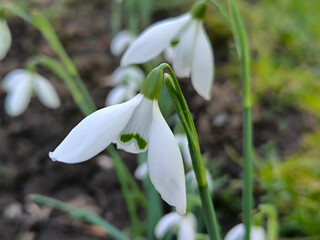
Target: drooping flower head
(135,126)
(186,226)
(20,85)
(127,81)
(192,53)
(5,38)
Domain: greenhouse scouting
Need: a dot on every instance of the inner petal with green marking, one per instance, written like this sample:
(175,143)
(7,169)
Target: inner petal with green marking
(134,137)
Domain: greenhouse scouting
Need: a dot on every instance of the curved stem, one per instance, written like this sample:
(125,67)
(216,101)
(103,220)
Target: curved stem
(198,166)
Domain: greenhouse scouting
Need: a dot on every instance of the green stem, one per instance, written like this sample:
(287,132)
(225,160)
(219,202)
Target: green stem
(80,214)
(244,55)
(198,166)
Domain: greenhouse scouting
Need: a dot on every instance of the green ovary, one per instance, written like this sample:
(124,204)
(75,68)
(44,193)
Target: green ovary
(128,137)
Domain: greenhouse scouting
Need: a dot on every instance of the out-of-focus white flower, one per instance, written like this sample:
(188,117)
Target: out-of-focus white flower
(182,141)
(186,226)
(128,81)
(5,39)
(238,231)
(20,85)
(142,171)
(121,41)
(192,180)
(192,53)
(135,126)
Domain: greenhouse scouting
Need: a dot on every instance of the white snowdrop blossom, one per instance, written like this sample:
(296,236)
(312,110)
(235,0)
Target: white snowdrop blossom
(238,231)
(135,126)
(192,54)
(5,39)
(186,226)
(142,171)
(20,84)
(121,41)
(127,81)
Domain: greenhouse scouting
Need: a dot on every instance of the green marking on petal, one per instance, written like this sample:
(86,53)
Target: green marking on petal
(174,43)
(126,137)
(140,140)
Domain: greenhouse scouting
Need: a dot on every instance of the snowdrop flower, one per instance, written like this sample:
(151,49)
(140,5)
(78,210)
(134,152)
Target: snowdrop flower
(186,226)
(127,81)
(193,54)
(135,126)
(238,231)
(121,41)
(5,39)
(142,171)
(20,85)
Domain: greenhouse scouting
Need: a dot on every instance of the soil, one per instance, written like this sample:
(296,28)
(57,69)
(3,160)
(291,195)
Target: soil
(27,139)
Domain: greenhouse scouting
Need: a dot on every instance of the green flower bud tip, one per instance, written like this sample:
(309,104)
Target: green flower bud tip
(151,88)
(199,9)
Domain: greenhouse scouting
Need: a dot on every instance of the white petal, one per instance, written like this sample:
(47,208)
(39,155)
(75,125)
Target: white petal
(116,96)
(137,128)
(187,230)
(184,50)
(258,233)
(13,78)
(169,53)
(182,142)
(121,41)
(202,65)
(94,133)
(46,92)
(236,233)
(18,97)
(166,223)
(154,40)
(5,39)
(142,171)
(165,163)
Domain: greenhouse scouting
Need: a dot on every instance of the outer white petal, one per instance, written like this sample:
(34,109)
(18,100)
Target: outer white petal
(182,58)
(18,97)
(5,39)
(154,40)
(46,92)
(165,223)
(116,96)
(165,163)
(142,171)
(94,133)
(13,78)
(202,65)
(187,230)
